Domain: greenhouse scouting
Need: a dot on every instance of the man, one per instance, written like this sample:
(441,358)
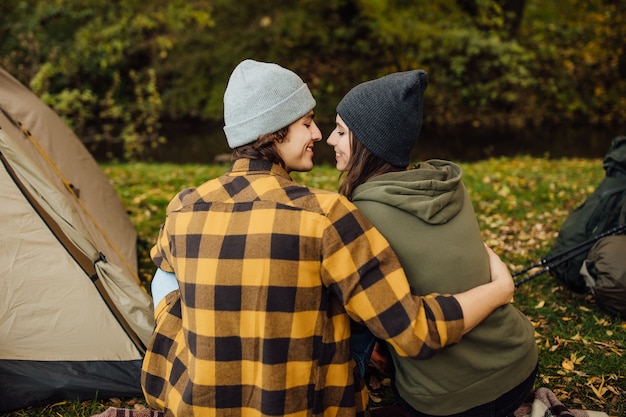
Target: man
(271,273)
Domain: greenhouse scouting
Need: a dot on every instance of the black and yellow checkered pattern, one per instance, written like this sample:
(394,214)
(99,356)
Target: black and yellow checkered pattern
(270,273)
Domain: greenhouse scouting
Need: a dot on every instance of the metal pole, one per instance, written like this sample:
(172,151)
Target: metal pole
(554,261)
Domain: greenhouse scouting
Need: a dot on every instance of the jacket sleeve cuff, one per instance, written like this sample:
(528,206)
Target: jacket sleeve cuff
(452,315)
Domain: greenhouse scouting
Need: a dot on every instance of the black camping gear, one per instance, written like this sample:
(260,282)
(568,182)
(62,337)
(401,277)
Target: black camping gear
(603,210)
(589,255)
(549,263)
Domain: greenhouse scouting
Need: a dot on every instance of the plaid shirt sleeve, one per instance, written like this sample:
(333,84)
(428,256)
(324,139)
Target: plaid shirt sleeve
(360,267)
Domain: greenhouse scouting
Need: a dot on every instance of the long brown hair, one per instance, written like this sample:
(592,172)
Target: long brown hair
(362,166)
(264,147)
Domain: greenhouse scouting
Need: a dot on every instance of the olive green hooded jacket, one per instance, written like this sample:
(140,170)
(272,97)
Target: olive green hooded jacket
(427,216)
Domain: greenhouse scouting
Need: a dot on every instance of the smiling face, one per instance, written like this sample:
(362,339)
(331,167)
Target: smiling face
(296,149)
(339,139)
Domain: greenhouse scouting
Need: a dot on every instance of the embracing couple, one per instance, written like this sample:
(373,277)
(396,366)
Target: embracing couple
(270,296)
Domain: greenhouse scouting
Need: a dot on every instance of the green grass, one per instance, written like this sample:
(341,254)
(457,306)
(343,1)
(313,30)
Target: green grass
(520,204)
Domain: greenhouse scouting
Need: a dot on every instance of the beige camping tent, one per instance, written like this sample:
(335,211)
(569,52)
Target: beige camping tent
(74,320)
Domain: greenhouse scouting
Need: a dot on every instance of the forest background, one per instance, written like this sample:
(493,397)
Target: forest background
(119,71)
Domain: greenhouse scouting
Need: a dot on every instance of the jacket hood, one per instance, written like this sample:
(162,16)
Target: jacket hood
(433,191)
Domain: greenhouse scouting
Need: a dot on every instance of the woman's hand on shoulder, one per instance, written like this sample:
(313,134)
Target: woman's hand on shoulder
(501,276)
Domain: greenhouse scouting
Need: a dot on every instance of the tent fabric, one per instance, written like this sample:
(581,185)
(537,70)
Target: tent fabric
(65,160)
(74,320)
(67,380)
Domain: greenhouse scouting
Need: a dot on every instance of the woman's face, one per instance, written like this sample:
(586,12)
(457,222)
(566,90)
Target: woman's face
(296,149)
(339,139)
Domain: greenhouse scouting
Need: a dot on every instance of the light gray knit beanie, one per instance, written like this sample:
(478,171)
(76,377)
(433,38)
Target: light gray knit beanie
(385,114)
(262,98)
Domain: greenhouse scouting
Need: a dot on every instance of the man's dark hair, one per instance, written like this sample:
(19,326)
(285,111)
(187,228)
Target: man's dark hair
(263,148)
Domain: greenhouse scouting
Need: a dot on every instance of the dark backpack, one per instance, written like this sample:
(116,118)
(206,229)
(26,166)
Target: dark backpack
(604,209)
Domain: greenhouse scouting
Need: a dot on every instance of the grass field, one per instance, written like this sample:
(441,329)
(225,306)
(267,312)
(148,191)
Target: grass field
(520,203)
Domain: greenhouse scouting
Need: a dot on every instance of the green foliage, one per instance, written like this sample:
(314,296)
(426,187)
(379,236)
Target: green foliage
(582,64)
(477,75)
(117,70)
(94,62)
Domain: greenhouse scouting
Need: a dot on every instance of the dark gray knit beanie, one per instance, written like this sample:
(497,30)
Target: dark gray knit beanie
(385,114)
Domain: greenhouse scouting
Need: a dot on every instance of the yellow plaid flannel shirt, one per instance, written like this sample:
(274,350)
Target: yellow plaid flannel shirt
(270,274)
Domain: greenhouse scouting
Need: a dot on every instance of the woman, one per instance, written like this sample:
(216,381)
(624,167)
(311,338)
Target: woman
(426,215)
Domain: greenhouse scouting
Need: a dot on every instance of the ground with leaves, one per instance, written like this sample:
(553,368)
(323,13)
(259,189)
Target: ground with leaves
(520,203)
